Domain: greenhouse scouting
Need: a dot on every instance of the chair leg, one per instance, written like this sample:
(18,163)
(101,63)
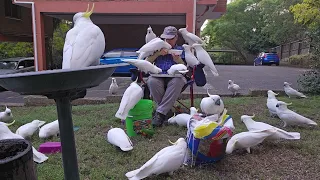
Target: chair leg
(191,95)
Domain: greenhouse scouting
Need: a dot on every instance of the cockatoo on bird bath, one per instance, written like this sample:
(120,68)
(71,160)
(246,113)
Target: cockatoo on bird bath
(84,43)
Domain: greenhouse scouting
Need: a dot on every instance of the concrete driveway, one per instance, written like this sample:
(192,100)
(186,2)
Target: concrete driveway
(247,77)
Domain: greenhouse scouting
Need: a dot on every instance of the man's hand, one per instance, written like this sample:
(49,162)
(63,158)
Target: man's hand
(163,51)
(175,57)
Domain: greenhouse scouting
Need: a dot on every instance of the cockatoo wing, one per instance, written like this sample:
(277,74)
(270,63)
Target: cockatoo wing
(88,46)
(145,169)
(68,47)
(194,37)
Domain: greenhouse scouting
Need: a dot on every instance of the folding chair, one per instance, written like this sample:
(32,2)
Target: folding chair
(190,82)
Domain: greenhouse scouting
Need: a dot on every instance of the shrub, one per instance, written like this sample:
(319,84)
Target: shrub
(303,60)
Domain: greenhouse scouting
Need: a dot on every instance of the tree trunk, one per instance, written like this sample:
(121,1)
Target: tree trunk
(16,160)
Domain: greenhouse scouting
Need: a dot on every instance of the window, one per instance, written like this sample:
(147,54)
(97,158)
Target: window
(12,10)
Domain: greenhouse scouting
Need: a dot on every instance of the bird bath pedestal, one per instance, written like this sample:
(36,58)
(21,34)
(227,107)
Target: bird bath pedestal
(62,85)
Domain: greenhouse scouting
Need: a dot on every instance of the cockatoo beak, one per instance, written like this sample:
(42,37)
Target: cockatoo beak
(88,14)
(172,142)
(10,123)
(253,116)
(218,102)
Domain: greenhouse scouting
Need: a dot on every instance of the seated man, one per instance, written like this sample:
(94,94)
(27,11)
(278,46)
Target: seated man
(164,90)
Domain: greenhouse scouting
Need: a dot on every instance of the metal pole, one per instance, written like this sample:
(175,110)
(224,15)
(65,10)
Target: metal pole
(69,154)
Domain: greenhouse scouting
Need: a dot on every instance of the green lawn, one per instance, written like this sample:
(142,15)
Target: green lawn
(99,160)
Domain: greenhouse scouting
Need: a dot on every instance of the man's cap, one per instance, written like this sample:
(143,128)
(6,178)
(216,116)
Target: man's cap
(169,32)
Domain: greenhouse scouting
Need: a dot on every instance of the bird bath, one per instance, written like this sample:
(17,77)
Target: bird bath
(62,85)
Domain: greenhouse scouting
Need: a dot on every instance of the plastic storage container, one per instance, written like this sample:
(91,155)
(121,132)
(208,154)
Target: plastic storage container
(139,119)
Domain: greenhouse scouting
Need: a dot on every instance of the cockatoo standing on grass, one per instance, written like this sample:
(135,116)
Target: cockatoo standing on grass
(6,115)
(291,118)
(271,103)
(5,133)
(84,43)
(280,134)
(27,130)
(167,159)
(292,92)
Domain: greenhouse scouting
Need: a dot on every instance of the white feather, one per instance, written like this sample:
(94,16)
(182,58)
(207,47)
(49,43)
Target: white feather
(234,88)
(117,137)
(143,65)
(177,68)
(150,34)
(271,103)
(189,37)
(205,58)
(113,86)
(5,133)
(189,56)
(280,134)
(246,140)
(50,129)
(28,129)
(292,92)
(130,98)
(84,45)
(6,116)
(291,118)
(167,159)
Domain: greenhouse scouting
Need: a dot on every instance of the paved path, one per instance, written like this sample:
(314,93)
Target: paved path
(255,77)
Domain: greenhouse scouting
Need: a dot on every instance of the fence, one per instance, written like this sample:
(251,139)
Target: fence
(293,48)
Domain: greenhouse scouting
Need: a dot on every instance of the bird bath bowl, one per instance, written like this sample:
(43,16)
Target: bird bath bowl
(62,85)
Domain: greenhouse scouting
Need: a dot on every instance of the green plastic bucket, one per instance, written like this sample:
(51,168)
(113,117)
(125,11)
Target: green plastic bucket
(139,118)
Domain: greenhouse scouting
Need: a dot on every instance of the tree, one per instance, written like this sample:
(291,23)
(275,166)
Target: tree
(308,13)
(252,26)
(15,49)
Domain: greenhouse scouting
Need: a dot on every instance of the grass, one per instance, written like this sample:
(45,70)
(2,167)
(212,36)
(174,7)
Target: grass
(98,159)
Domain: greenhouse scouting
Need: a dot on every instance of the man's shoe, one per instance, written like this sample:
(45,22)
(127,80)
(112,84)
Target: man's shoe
(158,119)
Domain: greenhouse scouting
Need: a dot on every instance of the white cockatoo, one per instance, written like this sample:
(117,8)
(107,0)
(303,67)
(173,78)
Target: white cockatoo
(212,104)
(177,68)
(150,34)
(144,66)
(280,134)
(154,45)
(117,137)
(204,58)
(5,133)
(183,118)
(168,159)
(234,88)
(6,115)
(27,130)
(50,129)
(246,140)
(113,86)
(272,102)
(190,38)
(130,98)
(291,118)
(292,92)
(189,56)
(84,43)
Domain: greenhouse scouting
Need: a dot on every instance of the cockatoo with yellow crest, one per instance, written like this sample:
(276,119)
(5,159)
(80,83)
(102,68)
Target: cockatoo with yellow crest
(84,43)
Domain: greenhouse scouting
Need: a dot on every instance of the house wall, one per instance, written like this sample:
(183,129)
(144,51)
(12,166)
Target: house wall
(20,29)
(129,35)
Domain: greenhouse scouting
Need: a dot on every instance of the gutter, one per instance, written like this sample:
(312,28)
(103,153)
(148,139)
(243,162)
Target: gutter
(34,30)
(194,16)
